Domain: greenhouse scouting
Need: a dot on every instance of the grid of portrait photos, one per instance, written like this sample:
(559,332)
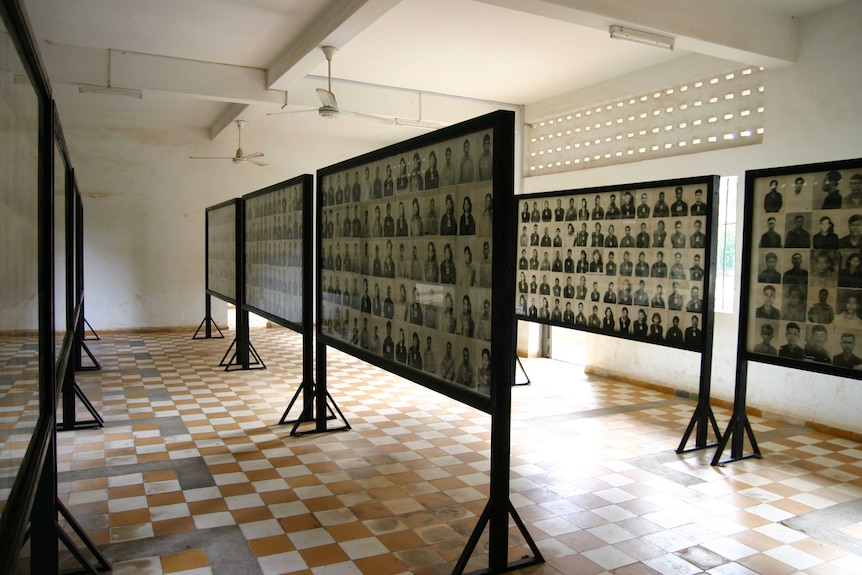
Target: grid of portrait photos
(805,280)
(273,252)
(221,250)
(406,256)
(629,263)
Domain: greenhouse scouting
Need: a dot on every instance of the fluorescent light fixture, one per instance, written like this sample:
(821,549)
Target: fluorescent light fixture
(110,91)
(641,37)
(423,124)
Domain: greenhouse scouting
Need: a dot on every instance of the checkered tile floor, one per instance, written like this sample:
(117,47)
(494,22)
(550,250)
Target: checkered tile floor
(192,474)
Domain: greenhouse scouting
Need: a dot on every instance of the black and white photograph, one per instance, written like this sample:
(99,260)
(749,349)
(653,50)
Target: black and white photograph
(273,251)
(406,262)
(632,262)
(804,258)
(221,250)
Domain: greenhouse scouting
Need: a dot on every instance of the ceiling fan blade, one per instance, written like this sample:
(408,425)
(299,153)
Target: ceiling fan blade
(254,155)
(211,157)
(257,163)
(327,98)
(370,117)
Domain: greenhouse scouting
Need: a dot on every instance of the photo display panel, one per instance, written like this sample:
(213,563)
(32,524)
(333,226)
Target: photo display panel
(221,251)
(406,256)
(274,251)
(19,280)
(627,261)
(802,275)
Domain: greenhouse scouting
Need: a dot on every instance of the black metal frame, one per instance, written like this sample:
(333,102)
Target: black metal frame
(243,357)
(41,453)
(500,126)
(83,325)
(74,290)
(739,427)
(33,498)
(703,418)
(305,326)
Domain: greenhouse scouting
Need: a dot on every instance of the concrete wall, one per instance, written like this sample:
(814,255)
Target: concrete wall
(144,210)
(813,114)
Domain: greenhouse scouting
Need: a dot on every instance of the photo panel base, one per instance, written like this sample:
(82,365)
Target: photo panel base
(255,362)
(307,416)
(207,324)
(484,521)
(702,420)
(738,428)
(95,423)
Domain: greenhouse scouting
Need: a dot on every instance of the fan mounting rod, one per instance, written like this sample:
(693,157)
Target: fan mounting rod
(239,125)
(329,52)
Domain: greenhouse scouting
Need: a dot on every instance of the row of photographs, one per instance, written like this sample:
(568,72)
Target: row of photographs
(284,253)
(810,342)
(810,191)
(625,234)
(221,277)
(650,324)
(281,202)
(650,203)
(820,230)
(274,228)
(450,357)
(465,262)
(813,268)
(467,213)
(681,295)
(799,303)
(681,264)
(277,302)
(221,250)
(448,310)
(275,278)
(435,166)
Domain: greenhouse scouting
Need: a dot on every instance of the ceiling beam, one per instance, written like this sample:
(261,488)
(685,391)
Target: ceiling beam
(736,30)
(191,78)
(340,22)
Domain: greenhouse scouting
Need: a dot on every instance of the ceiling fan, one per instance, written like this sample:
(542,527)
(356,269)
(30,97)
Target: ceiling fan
(240,157)
(329,105)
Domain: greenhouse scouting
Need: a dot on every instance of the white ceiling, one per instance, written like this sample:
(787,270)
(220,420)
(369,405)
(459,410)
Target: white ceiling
(204,63)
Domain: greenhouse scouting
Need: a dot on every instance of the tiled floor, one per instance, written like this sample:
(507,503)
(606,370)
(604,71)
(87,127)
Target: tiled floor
(192,475)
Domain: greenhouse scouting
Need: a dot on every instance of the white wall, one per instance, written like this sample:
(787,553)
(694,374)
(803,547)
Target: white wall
(144,204)
(813,114)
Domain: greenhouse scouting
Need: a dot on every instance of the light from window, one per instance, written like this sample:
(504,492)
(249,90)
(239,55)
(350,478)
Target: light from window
(725,268)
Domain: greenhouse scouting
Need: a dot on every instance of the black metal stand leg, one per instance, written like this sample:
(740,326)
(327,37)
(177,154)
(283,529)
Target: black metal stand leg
(307,416)
(524,371)
(255,363)
(94,423)
(701,418)
(95,335)
(536,559)
(739,426)
(209,323)
(101,565)
(737,429)
(96,365)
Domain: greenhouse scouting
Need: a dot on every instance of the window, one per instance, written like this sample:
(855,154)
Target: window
(719,111)
(725,268)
